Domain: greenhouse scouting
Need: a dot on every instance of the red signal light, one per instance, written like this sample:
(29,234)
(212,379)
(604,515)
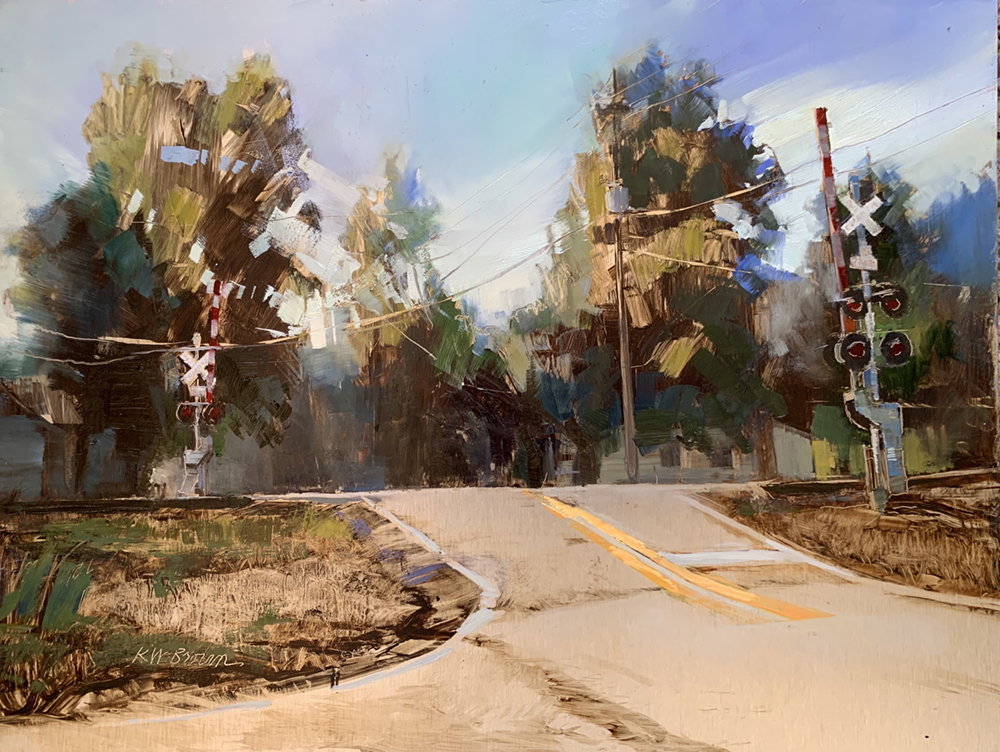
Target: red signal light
(896,349)
(853,303)
(892,299)
(855,351)
(213,413)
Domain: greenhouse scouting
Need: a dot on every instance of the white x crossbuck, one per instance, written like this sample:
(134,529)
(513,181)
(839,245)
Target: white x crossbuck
(861,215)
(199,367)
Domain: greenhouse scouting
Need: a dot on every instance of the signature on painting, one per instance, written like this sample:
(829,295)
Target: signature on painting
(153,656)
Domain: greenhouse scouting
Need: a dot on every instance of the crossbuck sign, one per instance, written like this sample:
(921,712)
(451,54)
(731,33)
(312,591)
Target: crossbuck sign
(199,366)
(861,215)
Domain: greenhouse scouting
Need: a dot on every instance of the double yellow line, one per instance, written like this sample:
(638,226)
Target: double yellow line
(714,593)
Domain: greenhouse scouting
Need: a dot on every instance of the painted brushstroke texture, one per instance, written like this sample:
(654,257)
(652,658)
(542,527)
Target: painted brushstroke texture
(520,76)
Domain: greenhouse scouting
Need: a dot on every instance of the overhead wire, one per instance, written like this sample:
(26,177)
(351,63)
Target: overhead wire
(517,212)
(161,351)
(894,128)
(430,304)
(536,254)
(539,252)
(506,220)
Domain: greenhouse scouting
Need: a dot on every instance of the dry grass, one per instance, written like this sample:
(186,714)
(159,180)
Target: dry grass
(338,592)
(281,587)
(911,548)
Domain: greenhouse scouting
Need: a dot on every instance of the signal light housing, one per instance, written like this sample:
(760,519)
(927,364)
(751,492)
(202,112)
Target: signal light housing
(831,352)
(856,351)
(896,349)
(892,299)
(213,413)
(853,303)
(186,413)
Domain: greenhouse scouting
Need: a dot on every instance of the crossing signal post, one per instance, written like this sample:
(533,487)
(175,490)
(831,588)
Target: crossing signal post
(885,470)
(201,407)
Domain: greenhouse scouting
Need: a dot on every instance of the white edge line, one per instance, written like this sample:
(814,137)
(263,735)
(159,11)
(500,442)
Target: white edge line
(949,599)
(793,554)
(490,593)
(473,622)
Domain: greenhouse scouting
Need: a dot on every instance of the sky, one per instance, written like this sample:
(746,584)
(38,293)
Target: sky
(490,99)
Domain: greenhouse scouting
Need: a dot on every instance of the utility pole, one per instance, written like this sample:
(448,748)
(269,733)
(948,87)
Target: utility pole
(994,322)
(618,204)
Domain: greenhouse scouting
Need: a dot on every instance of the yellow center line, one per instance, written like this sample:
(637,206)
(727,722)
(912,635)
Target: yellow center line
(673,588)
(582,520)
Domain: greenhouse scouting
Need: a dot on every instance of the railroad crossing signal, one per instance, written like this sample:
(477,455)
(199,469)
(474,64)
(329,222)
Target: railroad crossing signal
(201,406)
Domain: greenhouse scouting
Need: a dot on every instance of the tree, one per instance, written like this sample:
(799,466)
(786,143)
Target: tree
(691,279)
(181,181)
(694,267)
(572,378)
(437,399)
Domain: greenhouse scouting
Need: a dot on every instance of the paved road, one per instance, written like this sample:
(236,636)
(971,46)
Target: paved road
(609,633)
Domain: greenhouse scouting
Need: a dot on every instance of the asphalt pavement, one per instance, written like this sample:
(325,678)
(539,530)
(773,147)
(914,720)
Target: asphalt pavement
(625,618)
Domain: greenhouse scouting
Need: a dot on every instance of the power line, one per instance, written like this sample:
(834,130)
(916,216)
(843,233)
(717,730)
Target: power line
(132,356)
(500,177)
(395,314)
(897,127)
(713,79)
(516,211)
(525,177)
(920,115)
(510,217)
(110,340)
(688,262)
(741,192)
(586,104)
(654,212)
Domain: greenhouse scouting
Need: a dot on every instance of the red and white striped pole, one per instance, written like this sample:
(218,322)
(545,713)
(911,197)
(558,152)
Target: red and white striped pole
(213,340)
(830,199)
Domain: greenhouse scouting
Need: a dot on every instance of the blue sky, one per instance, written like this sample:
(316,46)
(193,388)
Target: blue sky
(479,91)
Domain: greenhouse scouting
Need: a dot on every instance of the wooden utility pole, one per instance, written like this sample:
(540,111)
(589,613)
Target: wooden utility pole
(628,399)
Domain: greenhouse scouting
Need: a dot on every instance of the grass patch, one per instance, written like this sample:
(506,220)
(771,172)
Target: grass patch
(938,542)
(92,604)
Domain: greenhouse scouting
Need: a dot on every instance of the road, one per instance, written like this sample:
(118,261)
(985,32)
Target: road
(603,637)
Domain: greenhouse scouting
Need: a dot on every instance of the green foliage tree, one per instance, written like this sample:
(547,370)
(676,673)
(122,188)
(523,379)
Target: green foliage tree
(437,400)
(180,180)
(691,276)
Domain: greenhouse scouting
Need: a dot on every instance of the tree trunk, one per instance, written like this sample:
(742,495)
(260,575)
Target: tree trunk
(767,465)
